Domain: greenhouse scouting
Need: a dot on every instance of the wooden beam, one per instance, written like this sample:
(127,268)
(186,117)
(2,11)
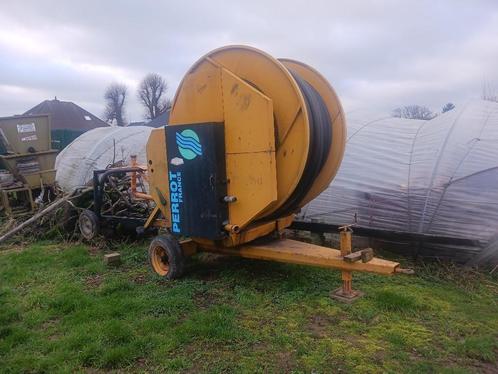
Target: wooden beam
(296,252)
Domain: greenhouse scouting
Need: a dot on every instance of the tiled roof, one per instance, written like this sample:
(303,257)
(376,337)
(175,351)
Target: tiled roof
(160,120)
(67,115)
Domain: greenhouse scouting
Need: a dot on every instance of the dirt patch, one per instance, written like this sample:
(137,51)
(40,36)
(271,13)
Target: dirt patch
(193,351)
(209,266)
(139,279)
(319,325)
(94,371)
(50,326)
(208,276)
(204,299)
(93,281)
(285,361)
(141,362)
(488,367)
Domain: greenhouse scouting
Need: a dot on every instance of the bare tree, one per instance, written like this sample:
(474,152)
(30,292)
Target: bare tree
(115,97)
(447,107)
(151,92)
(414,112)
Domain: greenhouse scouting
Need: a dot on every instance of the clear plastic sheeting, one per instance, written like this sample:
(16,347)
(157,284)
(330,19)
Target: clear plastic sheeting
(98,149)
(433,178)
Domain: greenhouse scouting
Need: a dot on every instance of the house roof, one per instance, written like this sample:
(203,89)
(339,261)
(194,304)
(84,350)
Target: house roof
(160,120)
(67,115)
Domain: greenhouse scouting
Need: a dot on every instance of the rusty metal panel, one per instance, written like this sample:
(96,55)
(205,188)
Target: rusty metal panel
(25,134)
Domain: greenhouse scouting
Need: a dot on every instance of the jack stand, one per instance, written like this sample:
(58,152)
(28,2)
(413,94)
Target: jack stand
(346,293)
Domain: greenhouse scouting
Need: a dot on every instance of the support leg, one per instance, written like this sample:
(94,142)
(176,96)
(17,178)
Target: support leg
(346,292)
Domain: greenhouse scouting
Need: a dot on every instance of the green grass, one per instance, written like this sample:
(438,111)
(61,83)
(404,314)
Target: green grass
(61,310)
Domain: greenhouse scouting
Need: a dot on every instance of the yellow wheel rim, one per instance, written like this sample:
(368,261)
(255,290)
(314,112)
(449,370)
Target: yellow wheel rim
(159,260)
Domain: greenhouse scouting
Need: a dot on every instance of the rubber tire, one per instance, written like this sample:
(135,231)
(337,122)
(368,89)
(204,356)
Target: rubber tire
(88,216)
(176,259)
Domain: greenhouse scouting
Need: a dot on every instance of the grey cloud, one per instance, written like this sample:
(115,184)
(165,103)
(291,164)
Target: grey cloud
(377,54)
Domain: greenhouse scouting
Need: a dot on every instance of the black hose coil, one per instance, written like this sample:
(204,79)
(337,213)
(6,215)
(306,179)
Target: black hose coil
(320,143)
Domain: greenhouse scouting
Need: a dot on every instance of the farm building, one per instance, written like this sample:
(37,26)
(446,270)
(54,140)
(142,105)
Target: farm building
(426,187)
(160,120)
(68,120)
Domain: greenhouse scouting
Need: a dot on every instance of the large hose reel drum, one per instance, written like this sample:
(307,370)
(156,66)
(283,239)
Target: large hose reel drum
(284,128)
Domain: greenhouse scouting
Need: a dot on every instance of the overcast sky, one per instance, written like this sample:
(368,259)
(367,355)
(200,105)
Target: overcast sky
(378,54)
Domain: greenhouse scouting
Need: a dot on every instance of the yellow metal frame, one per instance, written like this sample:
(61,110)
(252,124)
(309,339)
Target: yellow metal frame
(157,174)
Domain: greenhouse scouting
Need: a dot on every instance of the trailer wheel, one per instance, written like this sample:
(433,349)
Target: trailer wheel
(166,257)
(89,224)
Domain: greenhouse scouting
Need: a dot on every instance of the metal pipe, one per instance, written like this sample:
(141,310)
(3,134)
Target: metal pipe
(235,229)
(134,192)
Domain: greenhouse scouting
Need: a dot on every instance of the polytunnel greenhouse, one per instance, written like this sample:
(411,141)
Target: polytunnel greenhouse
(99,149)
(432,184)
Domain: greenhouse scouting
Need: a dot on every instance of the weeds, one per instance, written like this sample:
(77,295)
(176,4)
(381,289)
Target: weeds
(62,310)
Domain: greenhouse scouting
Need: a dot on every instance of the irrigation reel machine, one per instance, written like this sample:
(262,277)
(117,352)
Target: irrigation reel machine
(250,140)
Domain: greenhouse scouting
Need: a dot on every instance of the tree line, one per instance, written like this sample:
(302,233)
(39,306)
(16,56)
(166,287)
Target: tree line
(151,93)
(419,111)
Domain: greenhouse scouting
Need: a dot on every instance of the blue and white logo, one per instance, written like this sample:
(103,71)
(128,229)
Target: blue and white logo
(188,144)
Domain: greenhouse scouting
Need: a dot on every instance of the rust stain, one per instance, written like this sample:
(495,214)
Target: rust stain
(201,88)
(245,102)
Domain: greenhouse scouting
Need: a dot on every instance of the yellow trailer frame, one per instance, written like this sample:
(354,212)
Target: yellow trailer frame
(267,241)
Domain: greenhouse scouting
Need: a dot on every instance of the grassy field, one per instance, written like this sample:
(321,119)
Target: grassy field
(61,310)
